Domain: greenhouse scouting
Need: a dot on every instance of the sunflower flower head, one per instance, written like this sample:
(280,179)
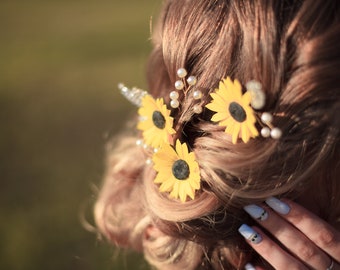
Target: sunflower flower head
(177,171)
(233,110)
(155,122)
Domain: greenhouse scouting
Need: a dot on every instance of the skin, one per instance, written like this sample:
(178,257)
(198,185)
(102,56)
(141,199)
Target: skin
(305,241)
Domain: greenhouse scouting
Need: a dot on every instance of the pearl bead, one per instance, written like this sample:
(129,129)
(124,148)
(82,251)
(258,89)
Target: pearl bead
(192,80)
(266,117)
(258,99)
(197,94)
(155,150)
(265,132)
(124,90)
(174,103)
(179,85)
(182,72)
(139,142)
(197,109)
(276,133)
(253,85)
(174,95)
(148,161)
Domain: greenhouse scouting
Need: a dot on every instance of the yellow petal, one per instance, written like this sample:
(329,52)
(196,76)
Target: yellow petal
(182,150)
(182,192)
(219,99)
(166,186)
(179,149)
(222,86)
(246,98)
(160,178)
(227,122)
(253,130)
(175,190)
(195,182)
(144,125)
(245,133)
(189,191)
(236,131)
(238,88)
(219,116)
(165,156)
(191,159)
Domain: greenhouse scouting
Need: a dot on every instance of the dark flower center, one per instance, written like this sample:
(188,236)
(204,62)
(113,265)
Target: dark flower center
(180,169)
(237,112)
(158,119)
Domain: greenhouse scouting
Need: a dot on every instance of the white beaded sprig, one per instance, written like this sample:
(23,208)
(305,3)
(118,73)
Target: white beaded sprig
(269,130)
(134,95)
(258,100)
(185,86)
(140,143)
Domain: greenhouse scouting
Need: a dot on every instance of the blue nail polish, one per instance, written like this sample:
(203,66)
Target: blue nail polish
(256,212)
(278,206)
(249,266)
(249,234)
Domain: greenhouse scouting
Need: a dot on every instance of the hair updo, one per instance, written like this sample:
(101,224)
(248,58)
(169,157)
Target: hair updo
(292,48)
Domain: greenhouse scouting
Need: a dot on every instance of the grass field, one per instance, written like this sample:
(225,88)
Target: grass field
(60,62)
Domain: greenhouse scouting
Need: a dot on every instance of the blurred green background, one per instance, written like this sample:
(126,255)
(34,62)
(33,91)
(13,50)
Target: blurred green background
(60,62)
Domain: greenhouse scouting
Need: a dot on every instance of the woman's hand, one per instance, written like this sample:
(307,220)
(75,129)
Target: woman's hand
(294,239)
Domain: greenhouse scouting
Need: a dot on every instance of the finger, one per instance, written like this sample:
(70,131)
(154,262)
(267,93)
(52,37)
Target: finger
(269,250)
(292,239)
(316,229)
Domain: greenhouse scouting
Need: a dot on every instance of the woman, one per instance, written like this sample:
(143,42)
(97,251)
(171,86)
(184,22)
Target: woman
(242,107)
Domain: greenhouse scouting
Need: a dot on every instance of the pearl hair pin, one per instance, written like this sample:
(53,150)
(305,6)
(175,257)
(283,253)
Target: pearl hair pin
(269,130)
(258,101)
(187,86)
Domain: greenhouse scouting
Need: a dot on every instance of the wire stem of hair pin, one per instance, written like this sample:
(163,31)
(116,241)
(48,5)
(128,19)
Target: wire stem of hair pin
(186,85)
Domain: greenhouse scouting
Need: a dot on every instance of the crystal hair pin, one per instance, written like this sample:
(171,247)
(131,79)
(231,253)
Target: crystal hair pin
(134,95)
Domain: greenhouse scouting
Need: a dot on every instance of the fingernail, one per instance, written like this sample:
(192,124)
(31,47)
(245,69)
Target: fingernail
(256,212)
(278,206)
(249,234)
(249,266)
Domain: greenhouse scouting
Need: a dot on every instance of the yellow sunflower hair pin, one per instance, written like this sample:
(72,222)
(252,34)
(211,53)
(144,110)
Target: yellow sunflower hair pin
(155,121)
(177,169)
(235,111)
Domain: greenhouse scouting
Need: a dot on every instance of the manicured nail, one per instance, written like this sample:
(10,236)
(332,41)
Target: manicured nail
(278,206)
(249,266)
(249,234)
(256,212)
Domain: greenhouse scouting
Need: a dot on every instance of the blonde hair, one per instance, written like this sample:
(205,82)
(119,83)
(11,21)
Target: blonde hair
(291,47)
